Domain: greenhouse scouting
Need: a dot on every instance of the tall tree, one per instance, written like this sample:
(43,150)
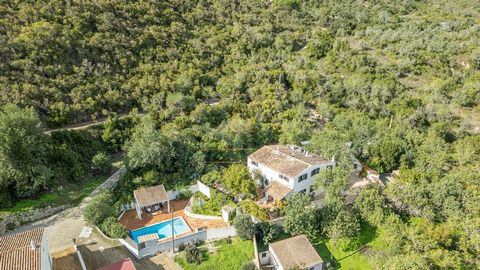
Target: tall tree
(23,153)
(301,217)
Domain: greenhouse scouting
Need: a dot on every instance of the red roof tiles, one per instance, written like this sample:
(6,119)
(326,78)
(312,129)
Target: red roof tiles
(16,252)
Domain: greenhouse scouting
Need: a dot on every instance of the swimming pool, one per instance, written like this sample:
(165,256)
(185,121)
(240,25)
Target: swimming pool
(163,229)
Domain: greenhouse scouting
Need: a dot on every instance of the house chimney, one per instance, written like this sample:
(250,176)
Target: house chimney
(276,152)
(333,159)
(32,245)
(306,153)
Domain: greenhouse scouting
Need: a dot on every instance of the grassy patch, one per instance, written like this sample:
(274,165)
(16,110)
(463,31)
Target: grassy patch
(66,193)
(349,256)
(228,256)
(72,193)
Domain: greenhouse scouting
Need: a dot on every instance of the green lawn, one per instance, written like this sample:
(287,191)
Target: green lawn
(227,257)
(348,257)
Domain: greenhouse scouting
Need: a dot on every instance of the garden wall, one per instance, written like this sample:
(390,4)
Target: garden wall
(15,220)
(150,248)
(203,189)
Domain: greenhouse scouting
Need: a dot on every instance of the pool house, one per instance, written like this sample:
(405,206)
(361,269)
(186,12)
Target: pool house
(151,199)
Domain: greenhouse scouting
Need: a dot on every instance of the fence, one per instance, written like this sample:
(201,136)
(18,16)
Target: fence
(151,248)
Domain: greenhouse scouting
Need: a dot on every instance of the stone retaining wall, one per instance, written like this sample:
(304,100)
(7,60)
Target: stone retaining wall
(20,218)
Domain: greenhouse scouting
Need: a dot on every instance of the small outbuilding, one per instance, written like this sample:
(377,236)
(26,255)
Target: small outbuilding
(151,199)
(292,252)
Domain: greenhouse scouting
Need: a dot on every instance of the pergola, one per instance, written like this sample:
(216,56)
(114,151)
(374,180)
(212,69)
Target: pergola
(151,199)
(277,191)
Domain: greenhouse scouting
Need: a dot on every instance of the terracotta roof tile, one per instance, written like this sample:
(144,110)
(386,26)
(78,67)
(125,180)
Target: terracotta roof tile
(288,160)
(277,190)
(296,251)
(16,252)
(150,195)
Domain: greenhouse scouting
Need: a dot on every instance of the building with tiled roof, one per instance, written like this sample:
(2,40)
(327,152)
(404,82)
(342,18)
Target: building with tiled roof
(25,251)
(151,199)
(296,251)
(288,165)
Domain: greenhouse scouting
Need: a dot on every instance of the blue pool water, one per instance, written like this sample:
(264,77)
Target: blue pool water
(163,229)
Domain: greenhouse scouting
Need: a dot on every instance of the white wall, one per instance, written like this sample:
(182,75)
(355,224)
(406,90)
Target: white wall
(307,183)
(274,259)
(45,256)
(203,189)
(293,183)
(269,174)
(218,233)
(264,257)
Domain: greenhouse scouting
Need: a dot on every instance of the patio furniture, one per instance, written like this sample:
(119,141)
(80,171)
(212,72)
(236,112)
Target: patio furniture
(150,199)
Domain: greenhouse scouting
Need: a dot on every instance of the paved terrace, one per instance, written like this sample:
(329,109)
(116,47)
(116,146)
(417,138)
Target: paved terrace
(131,221)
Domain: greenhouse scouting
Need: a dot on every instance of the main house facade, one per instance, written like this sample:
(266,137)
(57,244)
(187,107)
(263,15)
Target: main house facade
(283,169)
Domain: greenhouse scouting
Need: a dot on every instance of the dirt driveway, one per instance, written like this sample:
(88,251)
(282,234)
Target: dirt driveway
(96,250)
(67,224)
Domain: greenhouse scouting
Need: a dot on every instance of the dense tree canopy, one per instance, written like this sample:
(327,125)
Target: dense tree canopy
(394,84)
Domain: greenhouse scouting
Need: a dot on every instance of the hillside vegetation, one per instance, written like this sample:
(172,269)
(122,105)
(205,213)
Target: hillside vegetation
(395,84)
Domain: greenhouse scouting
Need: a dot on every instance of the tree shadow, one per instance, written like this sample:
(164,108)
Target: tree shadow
(327,255)
(366,235)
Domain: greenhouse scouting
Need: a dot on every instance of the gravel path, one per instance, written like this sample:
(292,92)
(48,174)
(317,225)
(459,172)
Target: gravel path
(67,224)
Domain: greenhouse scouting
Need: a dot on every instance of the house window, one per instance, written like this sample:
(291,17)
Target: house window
(302,177)
(315,171)
(264,255)
(254,163)
(283,177)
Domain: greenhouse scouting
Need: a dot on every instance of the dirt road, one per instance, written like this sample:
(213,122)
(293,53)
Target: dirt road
(67,224)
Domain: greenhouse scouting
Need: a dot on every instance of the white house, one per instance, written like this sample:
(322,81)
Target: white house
(286,168)
(291,252)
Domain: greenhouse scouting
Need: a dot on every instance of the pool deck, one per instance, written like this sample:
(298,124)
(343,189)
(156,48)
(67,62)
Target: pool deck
(131,221)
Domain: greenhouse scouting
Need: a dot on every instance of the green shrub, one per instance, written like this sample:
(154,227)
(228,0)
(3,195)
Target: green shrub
(267,232)
(101,162)
(112,228)
(99,208)
(253,209)
(193,254)
(184,194)
(11,226)
(249,266)
(244,226)
(5,199)
(212,206)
